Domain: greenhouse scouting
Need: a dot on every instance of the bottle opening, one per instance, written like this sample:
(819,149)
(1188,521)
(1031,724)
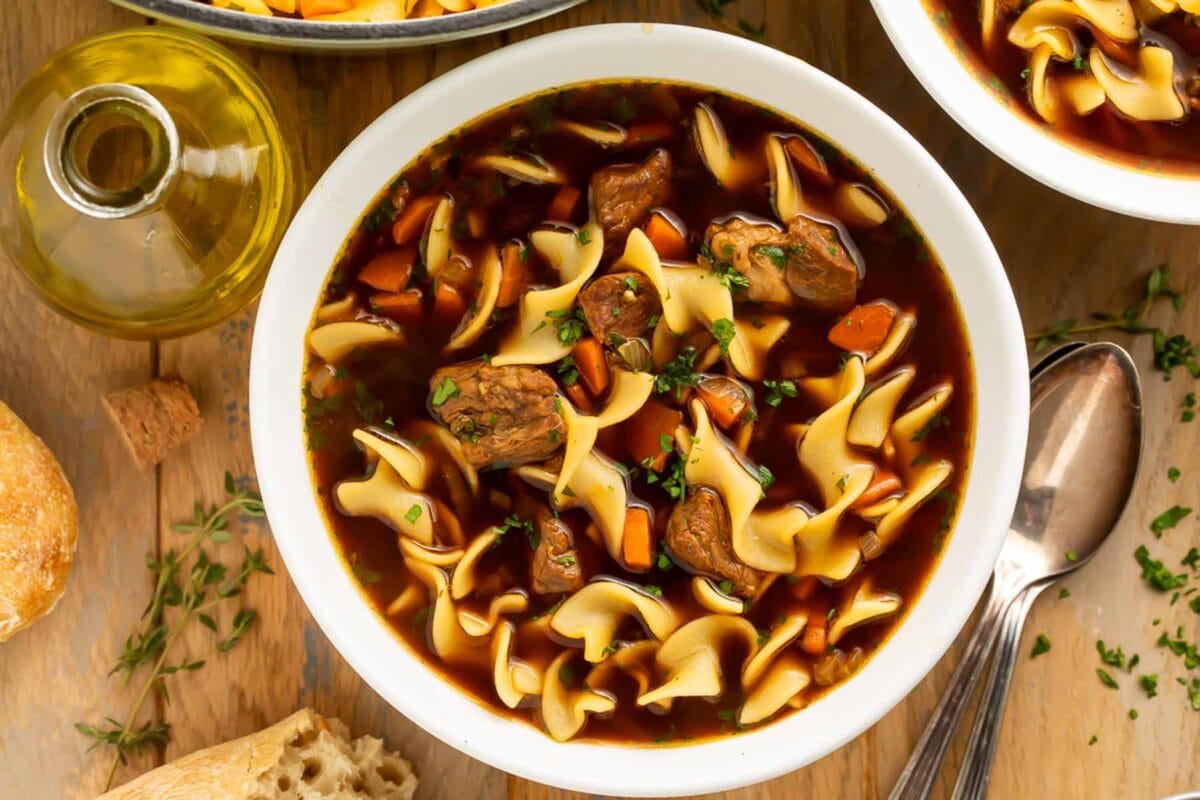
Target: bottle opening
(112,151)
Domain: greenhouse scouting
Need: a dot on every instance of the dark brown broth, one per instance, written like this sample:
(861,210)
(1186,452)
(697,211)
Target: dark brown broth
(1165,146)
(394,384)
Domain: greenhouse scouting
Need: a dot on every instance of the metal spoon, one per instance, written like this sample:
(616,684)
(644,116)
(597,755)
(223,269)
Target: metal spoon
(1085,437)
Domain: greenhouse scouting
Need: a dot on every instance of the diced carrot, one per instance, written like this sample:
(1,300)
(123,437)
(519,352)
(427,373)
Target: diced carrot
(864,329)
(725,399)
(883,485)
(805,587)
(401,306)
(580,397)
(562,207)
(514,275)
(646,430)
(476,223)
(389,271)
(637,543)
(589,360)
(810,162)
(816,635)
(668,240)
(313,8)
(448,302)
(648,133)
(411,222)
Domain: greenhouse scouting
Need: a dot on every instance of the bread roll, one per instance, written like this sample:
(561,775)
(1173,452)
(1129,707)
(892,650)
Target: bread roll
(39,526)
(304,757)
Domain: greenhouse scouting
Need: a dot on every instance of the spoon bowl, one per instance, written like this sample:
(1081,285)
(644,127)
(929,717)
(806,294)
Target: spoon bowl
(1085,434)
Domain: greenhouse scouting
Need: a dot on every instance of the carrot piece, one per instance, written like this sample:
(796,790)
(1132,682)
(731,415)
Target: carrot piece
(390,271)
(409,224)
(448,302)
(725,400)
(562,207)
(884,484)
(313,8)
(514,275)
(811,163)
(864,329)
(580,397)
(637,543)
(816,635)
(646,430)
(648,133)
(668,240)
(402,306)
(589,360)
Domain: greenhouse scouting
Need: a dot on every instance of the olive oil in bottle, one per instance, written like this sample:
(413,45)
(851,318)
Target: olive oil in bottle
(145,183)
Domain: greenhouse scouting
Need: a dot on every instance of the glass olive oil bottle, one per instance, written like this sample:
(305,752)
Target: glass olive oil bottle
(145,183)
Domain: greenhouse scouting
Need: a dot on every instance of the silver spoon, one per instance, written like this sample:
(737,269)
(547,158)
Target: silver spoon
(1085,434)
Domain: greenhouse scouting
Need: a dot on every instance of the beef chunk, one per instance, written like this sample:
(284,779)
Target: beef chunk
(698,535)
(757,250)
(819,270)
(504,416)
(555,567)
(623,194)
(623,304)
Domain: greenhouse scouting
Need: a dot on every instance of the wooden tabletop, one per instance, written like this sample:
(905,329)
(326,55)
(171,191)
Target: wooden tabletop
(1065,259)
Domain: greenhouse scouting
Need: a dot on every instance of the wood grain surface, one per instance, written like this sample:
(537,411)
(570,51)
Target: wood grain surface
(1065,260)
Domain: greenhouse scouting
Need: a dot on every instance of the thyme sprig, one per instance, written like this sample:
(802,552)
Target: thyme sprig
(738,24)
(194,592)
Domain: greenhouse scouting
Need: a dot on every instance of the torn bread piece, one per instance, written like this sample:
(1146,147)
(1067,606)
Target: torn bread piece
(154,418)
(303,757)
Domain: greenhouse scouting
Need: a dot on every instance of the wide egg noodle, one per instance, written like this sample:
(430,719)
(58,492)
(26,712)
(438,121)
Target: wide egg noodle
(839,473)
(690,658)
(514,679)
(437,245)
(477,319)
(447,639)
(872,419)
(565,710)
(511,602)
(595,613)
(788,676)
(575,257)
(334,341)
(713,599)
(384,496)
(864,605)
(787,194)
(826,389)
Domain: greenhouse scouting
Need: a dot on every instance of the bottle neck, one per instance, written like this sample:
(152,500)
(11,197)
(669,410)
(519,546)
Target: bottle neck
(112,151)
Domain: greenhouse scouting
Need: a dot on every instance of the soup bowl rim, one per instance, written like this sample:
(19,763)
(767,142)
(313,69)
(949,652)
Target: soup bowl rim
(1075,170)
(637,52)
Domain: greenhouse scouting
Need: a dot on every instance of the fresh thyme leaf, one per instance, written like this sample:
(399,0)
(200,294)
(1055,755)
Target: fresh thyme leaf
(190,584)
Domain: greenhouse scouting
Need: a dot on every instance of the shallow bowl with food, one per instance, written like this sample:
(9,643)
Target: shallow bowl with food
(694,675)
(1096,100)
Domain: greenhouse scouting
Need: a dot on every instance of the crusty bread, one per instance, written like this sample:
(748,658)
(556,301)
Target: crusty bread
(39,525)
(303,757)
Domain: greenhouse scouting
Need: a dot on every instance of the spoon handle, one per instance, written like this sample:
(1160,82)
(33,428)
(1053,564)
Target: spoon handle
(919,775)
(977,763)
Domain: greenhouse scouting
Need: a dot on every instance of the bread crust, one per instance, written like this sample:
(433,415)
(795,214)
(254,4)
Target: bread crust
(39,526)
(232,770)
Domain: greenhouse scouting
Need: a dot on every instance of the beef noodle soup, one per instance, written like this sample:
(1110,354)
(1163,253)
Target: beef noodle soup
(639,412)
(1119,77)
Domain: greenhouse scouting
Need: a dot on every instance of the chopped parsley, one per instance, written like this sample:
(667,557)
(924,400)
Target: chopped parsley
(652,589)
(935,422)
(725,587)
(666,442)
(777,390)
(1156,574)
(1072,556)
(584,236)
(444,391)
(1169,519)
(1064,593)
(727,274)
(765,477)
(1149,684)
(413,514)
(630,283)
(1173,474)
(571,326)
(723,331)
(663,562)
(1041,645)
(1107,679)
(513,522)
(567,560)
(775,253)
(1187,407)
(1116,657)
(678,373)
(672,478)
(1192,559)
(1093,740)
(568,374)
(1180,647)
